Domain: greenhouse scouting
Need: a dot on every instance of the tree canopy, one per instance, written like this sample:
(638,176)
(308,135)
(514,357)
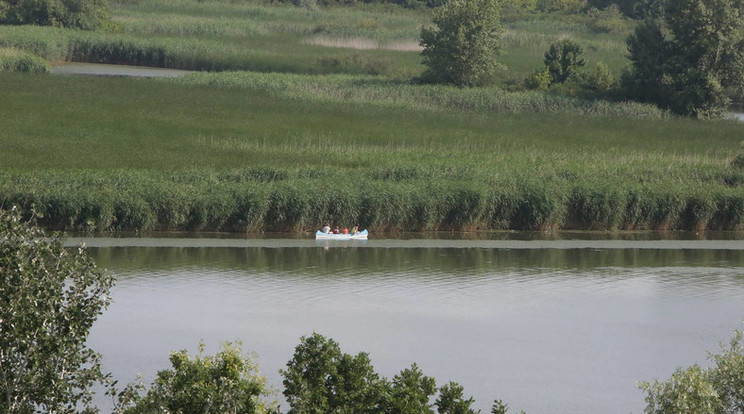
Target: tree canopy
(49,299)
(75,14)
(462,47)
(686,61)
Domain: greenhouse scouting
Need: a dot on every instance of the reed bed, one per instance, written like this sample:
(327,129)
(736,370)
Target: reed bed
(138,202)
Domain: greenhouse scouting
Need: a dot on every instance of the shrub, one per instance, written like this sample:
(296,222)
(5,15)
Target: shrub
(607,20)
(76,14)
(538,80)
(15,60)
(563,60)
(229,382)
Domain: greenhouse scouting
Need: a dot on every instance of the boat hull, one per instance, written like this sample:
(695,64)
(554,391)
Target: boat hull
(362,235)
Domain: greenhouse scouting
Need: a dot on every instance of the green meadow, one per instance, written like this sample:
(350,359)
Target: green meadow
(298,117)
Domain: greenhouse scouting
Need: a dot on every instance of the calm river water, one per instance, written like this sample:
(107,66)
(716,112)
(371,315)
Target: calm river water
(549,326)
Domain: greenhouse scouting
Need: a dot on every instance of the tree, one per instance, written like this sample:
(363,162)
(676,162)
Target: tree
(76,14)
(462,48)
(410,392)
(649,51)
(228,383)
(687,391)
(563,60)
(690,58)
(321,379)
(49,299)
(451,400)
(715,390)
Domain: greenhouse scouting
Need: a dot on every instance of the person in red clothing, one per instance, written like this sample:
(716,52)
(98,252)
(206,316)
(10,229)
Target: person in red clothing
(345,231)
(336,231)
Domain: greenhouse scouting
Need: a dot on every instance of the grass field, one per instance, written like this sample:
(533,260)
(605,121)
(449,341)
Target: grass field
(118,153)
(289,130)
(271,37)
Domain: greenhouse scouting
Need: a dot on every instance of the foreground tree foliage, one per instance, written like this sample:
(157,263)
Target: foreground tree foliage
(686,61)
(49,299)
(715,390)
(228,383)
(75,14)
(462,48)
(321,379)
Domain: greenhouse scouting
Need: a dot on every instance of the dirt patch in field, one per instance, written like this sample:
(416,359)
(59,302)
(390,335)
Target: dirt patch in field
(361,43)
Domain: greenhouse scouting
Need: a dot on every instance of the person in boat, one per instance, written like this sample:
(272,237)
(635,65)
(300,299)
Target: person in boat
(345,231)
(327,228)
(355,230)
(336,231)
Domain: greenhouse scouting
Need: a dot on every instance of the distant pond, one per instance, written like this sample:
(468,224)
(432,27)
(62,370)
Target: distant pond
(549,326)
(101,69)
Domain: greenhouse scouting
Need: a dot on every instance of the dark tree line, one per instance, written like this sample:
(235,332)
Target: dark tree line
(690,60)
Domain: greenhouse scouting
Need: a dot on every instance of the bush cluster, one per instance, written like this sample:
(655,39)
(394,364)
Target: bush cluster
(14,60)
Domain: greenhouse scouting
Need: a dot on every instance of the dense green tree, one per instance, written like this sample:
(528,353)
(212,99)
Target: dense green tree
(688,60)
(410,392)
(228,383)
(563,60)
(649,52)
(321,379)
(462,47)
(451,400)
(77,14)
(49,299)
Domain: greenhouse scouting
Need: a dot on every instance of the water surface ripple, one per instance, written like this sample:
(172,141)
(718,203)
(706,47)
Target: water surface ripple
(547,326)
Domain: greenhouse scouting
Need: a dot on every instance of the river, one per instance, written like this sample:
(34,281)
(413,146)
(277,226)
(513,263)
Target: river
(548,326)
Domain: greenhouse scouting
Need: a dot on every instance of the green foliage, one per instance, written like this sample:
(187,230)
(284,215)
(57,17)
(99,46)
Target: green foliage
(410,392)
(601,79)
(321,379)
(727,377)
(451,400)
(561,6)
(687,63)
(687,391)
(499,407)
(715,390)
(462,48)
(538,80)
(228,383)
(563,60)
(738,161)
(76,14)
(14,60)
(49,299)
(607,20)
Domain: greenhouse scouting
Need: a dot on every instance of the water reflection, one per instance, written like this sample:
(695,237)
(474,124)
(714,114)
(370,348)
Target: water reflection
(357,260)
(547,326)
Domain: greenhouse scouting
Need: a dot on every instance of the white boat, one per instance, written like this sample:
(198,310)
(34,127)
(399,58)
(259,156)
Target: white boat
(362,235)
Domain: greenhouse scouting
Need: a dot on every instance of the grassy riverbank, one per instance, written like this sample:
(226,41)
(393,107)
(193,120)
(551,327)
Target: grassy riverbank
(129,154)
